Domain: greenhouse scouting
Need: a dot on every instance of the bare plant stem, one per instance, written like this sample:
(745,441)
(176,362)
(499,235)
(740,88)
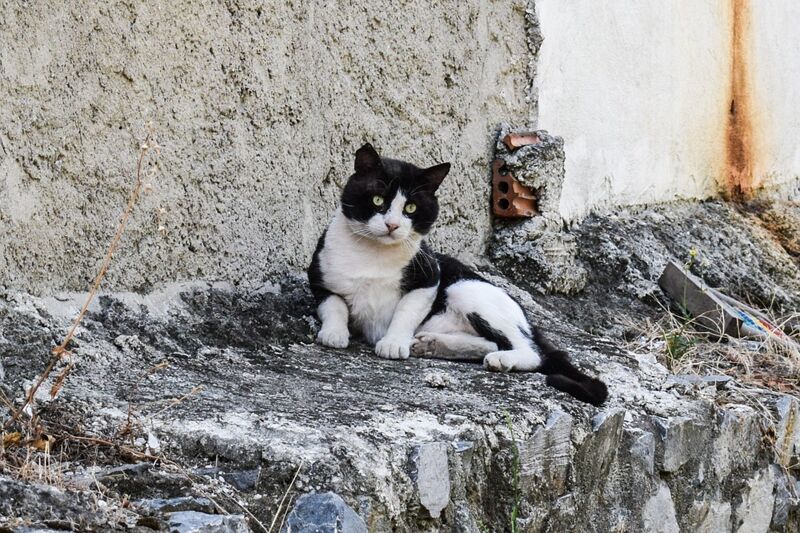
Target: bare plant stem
(61,350)
(177,401)
(288,489)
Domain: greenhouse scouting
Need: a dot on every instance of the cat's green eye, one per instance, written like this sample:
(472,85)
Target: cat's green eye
(410,208)
(377,200)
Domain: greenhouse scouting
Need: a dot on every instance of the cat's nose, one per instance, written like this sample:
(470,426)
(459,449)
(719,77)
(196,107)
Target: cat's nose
(391,227)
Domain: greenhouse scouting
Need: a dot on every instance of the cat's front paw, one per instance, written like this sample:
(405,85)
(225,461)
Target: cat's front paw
(333,338)
(393,348)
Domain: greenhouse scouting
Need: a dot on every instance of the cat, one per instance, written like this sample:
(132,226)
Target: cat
(373,272)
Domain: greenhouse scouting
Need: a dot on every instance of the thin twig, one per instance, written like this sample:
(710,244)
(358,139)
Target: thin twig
(8,403)
(251,515)
(288,489)
(59,351)
(177,401)
(102,442)
(286,512)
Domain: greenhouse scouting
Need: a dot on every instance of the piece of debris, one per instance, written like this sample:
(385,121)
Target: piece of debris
(438,379)
(536,160)
(717,312)
(196,522)
(431,473)
(517,140)
(510,198)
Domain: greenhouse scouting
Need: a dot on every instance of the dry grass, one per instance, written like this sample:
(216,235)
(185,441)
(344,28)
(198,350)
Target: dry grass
(685,348)
(761,368)
(281,509)
(61,352)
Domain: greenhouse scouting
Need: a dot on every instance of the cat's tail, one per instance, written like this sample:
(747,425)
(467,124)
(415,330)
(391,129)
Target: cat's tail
(562,375)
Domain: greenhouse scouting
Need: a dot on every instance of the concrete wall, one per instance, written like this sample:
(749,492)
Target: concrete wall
(642,92)
(775,75)
(258,107)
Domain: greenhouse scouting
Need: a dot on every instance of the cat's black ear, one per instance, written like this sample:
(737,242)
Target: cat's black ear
(434,175)
(367,159)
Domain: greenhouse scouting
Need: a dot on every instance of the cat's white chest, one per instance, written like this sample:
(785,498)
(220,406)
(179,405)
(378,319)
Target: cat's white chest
(372,305)
(367,277)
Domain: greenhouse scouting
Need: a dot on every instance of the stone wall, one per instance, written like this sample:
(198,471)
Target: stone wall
(422,445)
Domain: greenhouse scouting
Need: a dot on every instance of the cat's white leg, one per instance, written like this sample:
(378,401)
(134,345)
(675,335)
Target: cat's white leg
(494,315)
(448,321)
(411,310)
(334,315)
(519,354)
(458,346)
(519,360)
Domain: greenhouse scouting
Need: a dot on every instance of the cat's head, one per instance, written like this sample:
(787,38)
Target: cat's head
(391,201)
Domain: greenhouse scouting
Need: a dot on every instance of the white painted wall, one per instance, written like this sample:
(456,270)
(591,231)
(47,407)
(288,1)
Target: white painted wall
(775,61)
(640,91)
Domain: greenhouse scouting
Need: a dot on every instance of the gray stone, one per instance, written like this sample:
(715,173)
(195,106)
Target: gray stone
(787,431)
(599,450)
(243,480)
(787,497)
(323,513)
(754,512)
(172,505)
(546,456)
(196,522)
(40,505)
(538,258)
(710,516)
(432,475)
(680,440)
(658,515)
(643,450)
(464,520)
(738,441)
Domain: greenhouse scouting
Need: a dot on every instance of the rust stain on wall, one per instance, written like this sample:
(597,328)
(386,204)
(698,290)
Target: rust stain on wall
(740,141)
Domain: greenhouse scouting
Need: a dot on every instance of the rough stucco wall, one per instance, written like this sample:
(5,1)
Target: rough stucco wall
(258,107)
(634,88)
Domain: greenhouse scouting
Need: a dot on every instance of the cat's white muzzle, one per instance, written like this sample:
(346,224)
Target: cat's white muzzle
(390,227)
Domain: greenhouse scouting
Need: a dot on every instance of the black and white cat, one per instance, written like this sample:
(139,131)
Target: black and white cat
(372,272)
